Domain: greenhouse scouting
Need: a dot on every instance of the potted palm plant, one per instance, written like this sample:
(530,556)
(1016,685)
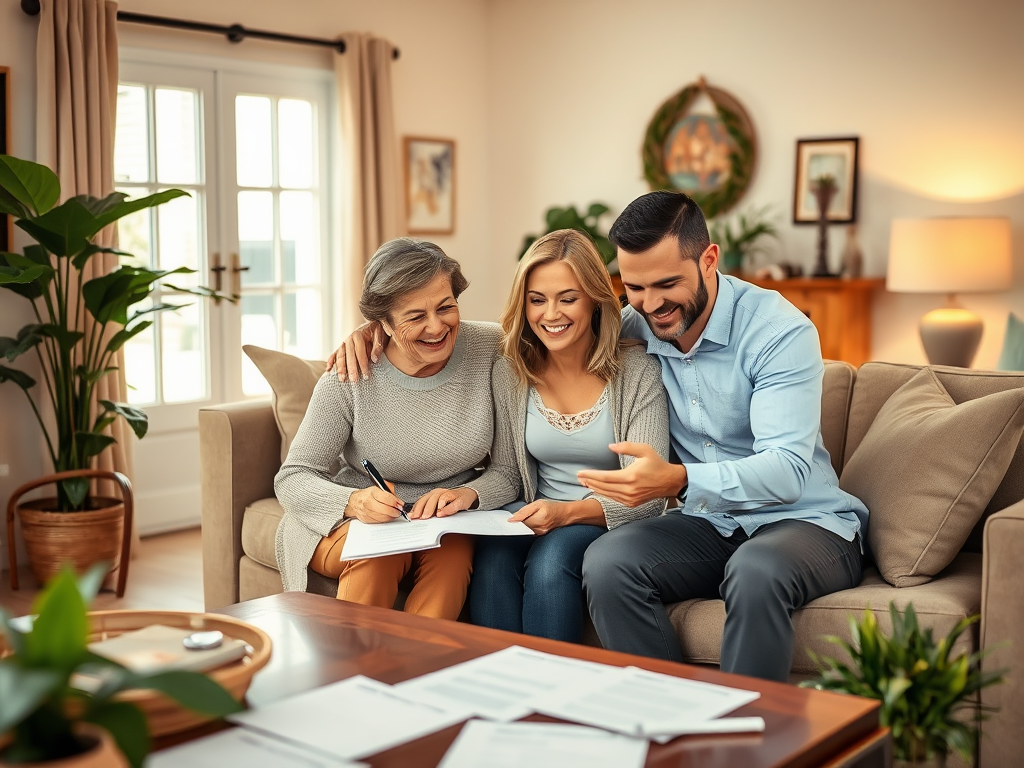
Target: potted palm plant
(80,324)
(48,719)
(924,692)
(739,238)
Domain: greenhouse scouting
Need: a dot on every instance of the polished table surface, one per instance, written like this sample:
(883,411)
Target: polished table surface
(319,640)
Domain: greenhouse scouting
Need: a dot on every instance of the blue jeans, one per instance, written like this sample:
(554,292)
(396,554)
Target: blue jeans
(532,584)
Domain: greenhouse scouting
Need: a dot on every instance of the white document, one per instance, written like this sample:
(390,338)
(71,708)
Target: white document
(505,685)
(641,703)
(401,535)
(353,718)
(541,745)
(240,746)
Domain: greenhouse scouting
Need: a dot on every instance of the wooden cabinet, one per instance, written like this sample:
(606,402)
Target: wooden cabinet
(840,309)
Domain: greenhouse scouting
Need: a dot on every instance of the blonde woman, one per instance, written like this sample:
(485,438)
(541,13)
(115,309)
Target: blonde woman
(564,390)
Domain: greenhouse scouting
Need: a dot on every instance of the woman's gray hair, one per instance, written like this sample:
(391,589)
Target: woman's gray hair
(400,266)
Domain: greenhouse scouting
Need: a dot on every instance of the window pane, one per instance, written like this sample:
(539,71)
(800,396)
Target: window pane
(302,324)
(252,138)
(179,237)
(259,327)
(256,237)
(182,348)
(300,258)
(176,129)
(140,362)
(131,140)
(134,233)
(295,143)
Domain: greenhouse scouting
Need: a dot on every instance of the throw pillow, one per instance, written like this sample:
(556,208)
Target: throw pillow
(1012,357)
(292,380)
(926,470)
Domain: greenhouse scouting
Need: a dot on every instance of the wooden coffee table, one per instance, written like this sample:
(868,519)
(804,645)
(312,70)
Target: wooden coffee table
(319,640)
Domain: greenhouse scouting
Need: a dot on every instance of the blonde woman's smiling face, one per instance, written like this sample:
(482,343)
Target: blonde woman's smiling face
(423,326)
(558,310)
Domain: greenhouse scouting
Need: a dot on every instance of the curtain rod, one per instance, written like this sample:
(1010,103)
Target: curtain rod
(236,33)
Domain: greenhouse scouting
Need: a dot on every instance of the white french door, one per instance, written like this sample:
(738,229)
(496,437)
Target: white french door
(251,149)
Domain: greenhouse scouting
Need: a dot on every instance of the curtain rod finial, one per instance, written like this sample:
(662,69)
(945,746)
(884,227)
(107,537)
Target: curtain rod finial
(236,33)
(31,7)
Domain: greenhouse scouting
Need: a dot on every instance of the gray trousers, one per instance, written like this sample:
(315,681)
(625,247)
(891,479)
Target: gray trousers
(631,572)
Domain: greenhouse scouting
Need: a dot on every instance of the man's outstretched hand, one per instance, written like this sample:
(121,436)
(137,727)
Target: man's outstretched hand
(365,344)
(648,477)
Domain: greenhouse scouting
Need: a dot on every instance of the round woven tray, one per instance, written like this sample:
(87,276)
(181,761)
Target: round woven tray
(164,715)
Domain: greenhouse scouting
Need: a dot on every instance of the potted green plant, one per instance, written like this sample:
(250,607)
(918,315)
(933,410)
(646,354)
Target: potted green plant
(73,355)
(922,689)
(569,218)
(46,719)
(739,237)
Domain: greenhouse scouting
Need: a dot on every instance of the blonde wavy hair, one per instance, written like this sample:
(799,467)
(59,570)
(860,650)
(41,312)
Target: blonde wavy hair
(521,346)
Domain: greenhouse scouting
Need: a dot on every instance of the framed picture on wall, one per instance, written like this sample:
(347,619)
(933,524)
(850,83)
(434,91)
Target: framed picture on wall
(816,158)
(6,222)
(429,185)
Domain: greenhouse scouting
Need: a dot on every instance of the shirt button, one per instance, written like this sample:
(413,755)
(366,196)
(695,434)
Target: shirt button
(694,402)
(707,445)
(688,361)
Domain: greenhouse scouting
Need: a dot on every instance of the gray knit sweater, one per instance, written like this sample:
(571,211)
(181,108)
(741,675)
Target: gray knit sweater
(421,433)
(639,411)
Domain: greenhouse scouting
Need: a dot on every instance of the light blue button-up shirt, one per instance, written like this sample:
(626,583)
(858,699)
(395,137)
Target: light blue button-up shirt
(745,415)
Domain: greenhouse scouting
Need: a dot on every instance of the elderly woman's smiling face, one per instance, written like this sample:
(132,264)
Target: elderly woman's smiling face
(423,325)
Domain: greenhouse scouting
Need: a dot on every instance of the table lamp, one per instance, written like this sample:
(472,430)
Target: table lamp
(949,255)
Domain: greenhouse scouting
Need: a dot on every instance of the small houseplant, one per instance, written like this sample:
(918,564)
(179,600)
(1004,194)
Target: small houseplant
(46,719)
(73,355)
(921,688)
(739,237)
(569,218)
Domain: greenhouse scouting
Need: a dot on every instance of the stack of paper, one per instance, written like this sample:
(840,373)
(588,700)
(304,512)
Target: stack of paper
(240,746)
(400,535)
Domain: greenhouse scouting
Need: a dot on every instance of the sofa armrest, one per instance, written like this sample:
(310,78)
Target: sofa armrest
(239,455)
(1002,628)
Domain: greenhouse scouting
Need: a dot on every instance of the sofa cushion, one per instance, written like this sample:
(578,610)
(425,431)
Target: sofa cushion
(926,469)
(836,391)
(259,531)
(292,381)
(939,604)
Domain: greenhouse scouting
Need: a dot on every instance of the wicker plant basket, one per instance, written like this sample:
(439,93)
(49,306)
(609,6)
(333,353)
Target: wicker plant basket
(80,539)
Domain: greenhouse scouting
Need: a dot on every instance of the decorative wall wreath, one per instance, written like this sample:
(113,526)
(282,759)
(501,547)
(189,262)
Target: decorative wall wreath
(709,157)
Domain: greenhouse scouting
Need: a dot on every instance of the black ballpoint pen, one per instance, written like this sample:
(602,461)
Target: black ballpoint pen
(379,481)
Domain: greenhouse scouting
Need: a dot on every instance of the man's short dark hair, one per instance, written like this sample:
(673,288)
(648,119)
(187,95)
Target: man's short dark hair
(652,217)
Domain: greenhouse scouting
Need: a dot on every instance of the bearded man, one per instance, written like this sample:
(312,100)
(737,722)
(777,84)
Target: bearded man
(759,518)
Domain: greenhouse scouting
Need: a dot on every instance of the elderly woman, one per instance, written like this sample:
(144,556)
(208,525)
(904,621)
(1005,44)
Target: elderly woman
(424,419)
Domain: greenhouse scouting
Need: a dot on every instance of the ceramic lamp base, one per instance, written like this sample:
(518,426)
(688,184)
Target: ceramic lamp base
(951,336)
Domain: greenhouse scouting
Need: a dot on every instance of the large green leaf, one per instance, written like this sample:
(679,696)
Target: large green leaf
(20,378)
(65,230)
(65,339)
(194,691)
(58,637)
(93,376)
(33,185)
(127,207)
(122,337)
(97,206)
(136,417)
(21,275)
(91,444)
(28,337)
(22,691)
(127,725)
(15,279)
(76,489)
(109,297)
(91,250)
(10,205)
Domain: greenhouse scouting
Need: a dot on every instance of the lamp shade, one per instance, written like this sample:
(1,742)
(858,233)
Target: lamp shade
(949,255)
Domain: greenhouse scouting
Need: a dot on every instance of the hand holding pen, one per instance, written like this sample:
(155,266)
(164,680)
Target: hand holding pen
(403,507)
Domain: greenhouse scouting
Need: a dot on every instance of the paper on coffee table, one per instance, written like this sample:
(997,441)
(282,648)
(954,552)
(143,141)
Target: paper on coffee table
(351,719)
(542,745)
(241,746)
(379,539)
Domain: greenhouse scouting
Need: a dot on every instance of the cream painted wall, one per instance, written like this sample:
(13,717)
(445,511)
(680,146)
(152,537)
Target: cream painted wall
(932,87)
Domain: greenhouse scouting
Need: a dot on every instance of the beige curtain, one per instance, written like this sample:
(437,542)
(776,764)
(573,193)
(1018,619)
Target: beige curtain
(371,201)
(76,96)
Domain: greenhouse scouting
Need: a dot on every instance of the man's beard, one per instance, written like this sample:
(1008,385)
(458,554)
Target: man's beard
(690,312)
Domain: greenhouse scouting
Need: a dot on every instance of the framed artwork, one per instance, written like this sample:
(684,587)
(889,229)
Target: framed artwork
(709,154)
(6,222)
(429,185)
(816,158)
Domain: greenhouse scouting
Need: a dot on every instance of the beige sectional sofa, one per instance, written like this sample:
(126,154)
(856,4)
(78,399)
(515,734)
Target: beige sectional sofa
(240,454)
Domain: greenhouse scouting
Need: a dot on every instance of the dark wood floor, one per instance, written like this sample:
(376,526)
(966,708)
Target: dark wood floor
(166,574)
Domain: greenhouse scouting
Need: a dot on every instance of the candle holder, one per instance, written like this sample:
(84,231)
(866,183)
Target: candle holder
(824,189)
